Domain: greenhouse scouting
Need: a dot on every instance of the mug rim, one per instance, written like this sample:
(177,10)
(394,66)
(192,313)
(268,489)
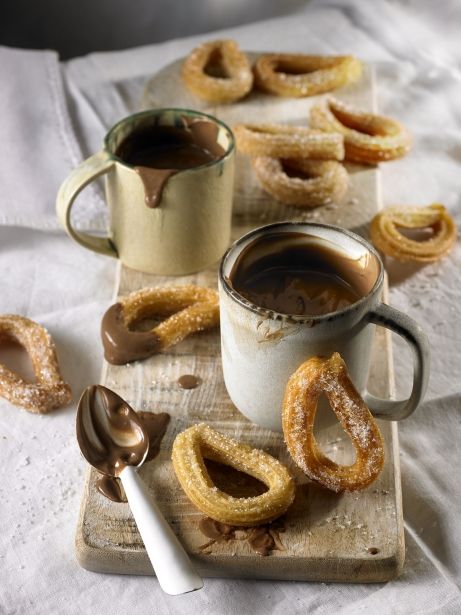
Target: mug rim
(230,149)
(313,319)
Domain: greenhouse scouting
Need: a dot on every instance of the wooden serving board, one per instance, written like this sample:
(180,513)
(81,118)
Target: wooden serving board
(353,537)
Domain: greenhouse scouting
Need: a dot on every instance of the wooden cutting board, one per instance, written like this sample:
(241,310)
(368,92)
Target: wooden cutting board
(353,537)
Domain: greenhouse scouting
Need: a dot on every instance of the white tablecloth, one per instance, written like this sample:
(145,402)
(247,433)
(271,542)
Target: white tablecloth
(48,278)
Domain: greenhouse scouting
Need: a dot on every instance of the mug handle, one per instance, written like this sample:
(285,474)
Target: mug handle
(79,178)
(403,325)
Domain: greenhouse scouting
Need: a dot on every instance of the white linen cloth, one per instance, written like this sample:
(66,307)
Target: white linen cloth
(38,146)
(50,279)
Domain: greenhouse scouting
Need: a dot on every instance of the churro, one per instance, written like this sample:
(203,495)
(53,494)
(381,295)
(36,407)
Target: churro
(298,75)
(199,441)
(189,309)
(368,138)
(283,141)
(313,378)
(387,237)
(301,182)
(49,391)
(218,72)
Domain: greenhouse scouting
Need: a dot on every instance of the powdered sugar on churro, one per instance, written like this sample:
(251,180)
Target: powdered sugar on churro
(329,376)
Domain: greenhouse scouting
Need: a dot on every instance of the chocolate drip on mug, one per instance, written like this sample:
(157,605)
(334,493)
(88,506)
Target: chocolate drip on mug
(158,152)
(154,181)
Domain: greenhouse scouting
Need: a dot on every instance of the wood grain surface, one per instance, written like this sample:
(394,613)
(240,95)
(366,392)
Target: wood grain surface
(353,537)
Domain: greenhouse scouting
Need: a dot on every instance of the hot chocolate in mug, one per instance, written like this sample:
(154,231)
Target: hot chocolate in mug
(289,291)
(169,176)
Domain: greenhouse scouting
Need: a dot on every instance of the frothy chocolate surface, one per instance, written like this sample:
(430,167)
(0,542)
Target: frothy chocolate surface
(296,274)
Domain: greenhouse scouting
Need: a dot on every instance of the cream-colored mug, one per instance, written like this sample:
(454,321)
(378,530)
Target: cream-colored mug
(262,348)
(190,227)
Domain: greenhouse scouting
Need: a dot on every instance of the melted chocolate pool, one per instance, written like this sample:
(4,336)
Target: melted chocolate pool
(294,273)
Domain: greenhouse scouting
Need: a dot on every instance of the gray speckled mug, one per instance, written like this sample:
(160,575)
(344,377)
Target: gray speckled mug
(262,348)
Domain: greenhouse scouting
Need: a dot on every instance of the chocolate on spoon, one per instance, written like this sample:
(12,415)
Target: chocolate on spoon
(113,440)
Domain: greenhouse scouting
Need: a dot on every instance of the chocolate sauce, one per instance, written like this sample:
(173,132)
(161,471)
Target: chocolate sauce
(216,530)
(122,345)
(189,381)
(157,152)
(298,274)
(155,425)
(263,539)
(154,182)
(111,488)
(109,432)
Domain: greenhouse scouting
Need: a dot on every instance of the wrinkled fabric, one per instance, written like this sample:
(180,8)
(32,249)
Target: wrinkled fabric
(415,47)
(38,145)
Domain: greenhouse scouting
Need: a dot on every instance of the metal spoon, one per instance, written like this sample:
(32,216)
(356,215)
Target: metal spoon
(113,440)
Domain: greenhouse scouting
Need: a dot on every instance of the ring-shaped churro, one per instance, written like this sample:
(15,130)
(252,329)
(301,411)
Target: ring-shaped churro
(49,391)
(201,441)
(298,75)
(368,138)
(386,236)
(282,141)
(189,309)
(321,181)
(218,72)
(304,388)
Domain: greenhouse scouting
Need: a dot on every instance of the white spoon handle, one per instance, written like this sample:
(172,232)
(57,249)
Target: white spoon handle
(171,563)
